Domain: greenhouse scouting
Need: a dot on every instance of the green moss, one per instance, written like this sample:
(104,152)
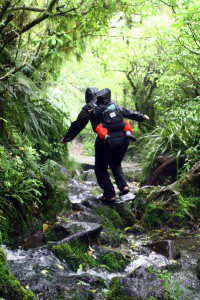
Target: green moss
(116,291)
(154,216)
(112,218)
(2,264)
(126,213)
(10,287)
(113,225)
(54,233)
(75,254)
(165,206)
(114,260)
(110,237)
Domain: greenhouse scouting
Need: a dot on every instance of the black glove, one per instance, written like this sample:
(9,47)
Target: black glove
(66,140)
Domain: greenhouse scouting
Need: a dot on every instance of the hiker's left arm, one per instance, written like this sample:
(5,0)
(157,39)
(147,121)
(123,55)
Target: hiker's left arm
(133,115)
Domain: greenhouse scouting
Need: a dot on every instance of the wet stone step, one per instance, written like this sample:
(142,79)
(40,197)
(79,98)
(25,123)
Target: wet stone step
(167,248)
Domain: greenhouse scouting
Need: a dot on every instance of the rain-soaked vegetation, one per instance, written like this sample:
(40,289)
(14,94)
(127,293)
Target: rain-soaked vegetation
(57,241)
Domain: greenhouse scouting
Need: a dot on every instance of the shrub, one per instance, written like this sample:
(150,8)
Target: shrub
(176,133)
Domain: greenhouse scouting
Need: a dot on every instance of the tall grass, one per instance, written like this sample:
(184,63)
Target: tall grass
(177,133)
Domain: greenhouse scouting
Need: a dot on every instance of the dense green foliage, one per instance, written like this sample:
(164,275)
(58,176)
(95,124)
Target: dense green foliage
(148,54)
(151,63)
(35,38)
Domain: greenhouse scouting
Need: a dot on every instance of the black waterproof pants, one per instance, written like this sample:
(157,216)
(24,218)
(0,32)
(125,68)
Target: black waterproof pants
(110,154)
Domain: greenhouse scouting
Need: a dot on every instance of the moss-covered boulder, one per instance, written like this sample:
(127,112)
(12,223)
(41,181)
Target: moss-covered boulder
(155,207)
(74,253)
(114,260)
(116,291)
(55,233)
(126,213)
(142,286)
(110,215)
(10,287)
(110,237)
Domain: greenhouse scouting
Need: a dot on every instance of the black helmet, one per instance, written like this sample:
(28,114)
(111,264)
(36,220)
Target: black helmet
(90,94)
(104,97)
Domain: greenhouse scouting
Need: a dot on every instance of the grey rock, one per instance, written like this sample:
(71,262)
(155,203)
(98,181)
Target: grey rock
(168,248)
(198,268)
(89,175)
(85,231)
(143,286)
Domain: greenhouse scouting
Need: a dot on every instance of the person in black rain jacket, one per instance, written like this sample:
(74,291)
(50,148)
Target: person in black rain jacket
(106,154)
(84,116)
(112,152)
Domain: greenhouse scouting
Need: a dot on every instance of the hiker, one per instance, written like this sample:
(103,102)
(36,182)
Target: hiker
(83,117)
(106,154)
(111,153)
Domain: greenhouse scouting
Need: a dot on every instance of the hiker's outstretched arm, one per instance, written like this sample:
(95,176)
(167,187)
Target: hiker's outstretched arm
(77,126)
(132,115)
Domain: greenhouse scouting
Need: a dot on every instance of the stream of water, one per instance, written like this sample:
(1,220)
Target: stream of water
(49,278)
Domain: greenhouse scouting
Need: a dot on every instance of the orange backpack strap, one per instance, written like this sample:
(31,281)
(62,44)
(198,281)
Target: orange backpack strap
(101,131)
(128,127)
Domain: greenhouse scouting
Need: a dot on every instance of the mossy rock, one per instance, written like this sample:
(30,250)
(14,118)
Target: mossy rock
(113,260)
(111,216)
(110,237)
(10,287)
(116,291)
(75,254)
(54,233)
(2,263)
(126,213)
(190,184)
(141,286)
(161,206)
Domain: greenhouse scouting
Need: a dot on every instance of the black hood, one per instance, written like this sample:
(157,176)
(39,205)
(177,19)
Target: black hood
(104,97)
(90,94)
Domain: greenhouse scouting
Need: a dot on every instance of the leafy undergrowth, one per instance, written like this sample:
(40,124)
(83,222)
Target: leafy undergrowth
(176,134)
(31,189)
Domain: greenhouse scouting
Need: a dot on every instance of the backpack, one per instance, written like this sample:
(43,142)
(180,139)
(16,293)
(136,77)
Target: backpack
(110,116)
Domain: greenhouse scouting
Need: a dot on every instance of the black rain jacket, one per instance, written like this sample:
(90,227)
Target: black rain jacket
(86,114)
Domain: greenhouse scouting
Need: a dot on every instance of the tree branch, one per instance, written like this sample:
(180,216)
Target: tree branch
(41,18)
(17,69)
(191,51)
(36,9)
(171,6)
(4,9)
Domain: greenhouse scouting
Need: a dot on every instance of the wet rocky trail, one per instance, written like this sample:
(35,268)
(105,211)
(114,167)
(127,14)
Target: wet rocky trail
(95,251)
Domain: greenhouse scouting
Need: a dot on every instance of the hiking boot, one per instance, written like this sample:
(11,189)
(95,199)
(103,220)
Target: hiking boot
(130,136)
(108,200)
(124,191)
